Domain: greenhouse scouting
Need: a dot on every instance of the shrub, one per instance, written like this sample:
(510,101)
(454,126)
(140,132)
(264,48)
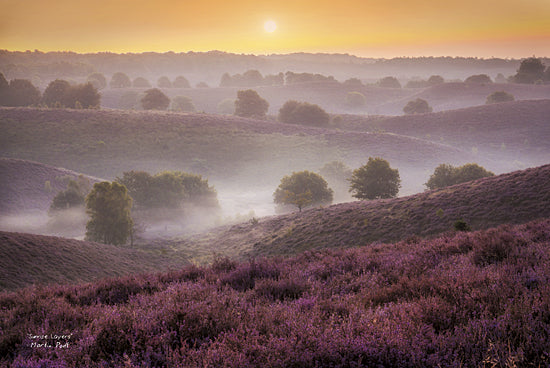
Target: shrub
(120,80)
(226,106)
(418,106)
(355,99)
(389,82)
(250,104)
(183,103)
(461,225)
(294,112)
(154,99)
(499,96)
(478,79)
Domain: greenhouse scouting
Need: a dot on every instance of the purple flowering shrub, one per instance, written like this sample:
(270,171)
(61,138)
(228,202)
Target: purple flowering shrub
(466,299)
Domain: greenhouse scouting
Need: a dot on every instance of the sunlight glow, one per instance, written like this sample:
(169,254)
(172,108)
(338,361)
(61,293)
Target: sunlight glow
(270,26)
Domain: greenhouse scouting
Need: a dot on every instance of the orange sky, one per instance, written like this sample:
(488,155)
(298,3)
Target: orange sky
(378,28)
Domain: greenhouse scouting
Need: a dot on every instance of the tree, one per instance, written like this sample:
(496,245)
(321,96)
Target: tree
(374,180)
(120,80)
(202,85)
(56,93)
(250,104)
(355,99)
(435,79)
(499,96)
(154,99)
(183,103)
(294,112)
(389,82)
(478,79)
(303,189)
(181,82)
(109,206)
(97,80)
(418,106)
(164,82)
(4,90)
(337,175)
(141,82)
(530,71)
(73,196)
(227,106)
(445,175)
(84,95)
(22,92)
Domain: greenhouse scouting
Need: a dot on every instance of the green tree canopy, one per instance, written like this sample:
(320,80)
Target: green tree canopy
(294,112)
(154,99)
(73,196)
(303,189)
(250,104)
(120,80)
(418,106)
(445,175)
(109,207)
(168,189)
(374,180)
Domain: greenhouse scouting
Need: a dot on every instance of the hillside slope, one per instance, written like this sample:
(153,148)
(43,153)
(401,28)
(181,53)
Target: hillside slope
(31,186)
(27,259)
(516,197)
(106,143)
(518,130)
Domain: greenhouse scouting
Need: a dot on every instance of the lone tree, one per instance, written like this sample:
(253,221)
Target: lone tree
(294,112)
(250,104)
(154,99)
(445,175)
(499,96)
(73,196)
(164,82)
(355,100)
(97,80)
(181,82)
(374,180)
(108,206)
(418,106)
(120,80)
(303,189)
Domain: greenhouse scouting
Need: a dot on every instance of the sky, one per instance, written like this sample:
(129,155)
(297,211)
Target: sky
(368,28)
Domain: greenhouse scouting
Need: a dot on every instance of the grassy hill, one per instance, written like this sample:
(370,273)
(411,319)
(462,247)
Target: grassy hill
(505,132)
(247,152)
(31,186)
(516,197)
(461,300)
(27,259)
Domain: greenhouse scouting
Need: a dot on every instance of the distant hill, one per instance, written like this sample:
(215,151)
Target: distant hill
(507,132)
(27,259)
(30,186)
(517,197)
(105,143)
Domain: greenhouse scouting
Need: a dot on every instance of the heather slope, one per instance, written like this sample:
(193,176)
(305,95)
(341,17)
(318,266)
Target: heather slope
(106,143)
(27,259)
(460,300)
(30,186)
(516,197)
(505,132)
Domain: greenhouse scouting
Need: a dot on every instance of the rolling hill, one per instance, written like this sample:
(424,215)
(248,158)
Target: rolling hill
(515,197)
(27,259)
(226,149)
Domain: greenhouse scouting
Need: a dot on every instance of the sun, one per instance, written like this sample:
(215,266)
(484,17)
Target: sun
(270,26)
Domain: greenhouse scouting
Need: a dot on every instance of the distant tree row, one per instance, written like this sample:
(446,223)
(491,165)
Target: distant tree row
(251,78)
(58,93)
(121,80)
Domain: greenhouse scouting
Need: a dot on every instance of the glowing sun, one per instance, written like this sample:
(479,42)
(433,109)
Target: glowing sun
(270,26)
